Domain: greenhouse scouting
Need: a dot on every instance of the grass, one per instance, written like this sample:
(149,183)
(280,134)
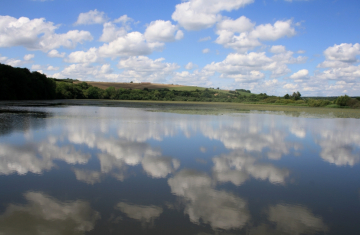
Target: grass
(220,108)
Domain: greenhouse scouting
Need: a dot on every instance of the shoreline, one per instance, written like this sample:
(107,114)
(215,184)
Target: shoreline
(201,108)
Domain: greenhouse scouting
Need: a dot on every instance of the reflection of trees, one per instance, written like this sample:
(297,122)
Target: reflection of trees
(238,166)
(21,120)
(46,215)
(220,209)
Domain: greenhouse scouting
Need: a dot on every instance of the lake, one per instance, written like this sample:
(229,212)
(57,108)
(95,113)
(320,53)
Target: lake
(150,168)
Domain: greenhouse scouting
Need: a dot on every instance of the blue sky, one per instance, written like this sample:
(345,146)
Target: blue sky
(267,46)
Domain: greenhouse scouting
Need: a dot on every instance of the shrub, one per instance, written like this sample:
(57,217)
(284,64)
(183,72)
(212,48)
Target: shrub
(353,103)
(318,103)
(300,102)
(284,101)
(342,100)
(270,100)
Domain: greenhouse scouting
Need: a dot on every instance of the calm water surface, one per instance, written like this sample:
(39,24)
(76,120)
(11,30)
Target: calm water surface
(124,170)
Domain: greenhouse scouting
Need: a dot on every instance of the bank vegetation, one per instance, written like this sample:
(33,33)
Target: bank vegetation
(21,84)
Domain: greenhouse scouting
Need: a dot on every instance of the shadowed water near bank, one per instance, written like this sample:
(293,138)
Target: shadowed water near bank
(94,167)
(202,108)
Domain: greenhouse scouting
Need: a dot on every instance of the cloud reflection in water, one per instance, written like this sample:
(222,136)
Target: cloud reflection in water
(46,215)
(145,214)
(238,166)
(219,209)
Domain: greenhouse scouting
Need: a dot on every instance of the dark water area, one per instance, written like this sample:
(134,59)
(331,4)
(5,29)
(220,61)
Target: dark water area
(138,169)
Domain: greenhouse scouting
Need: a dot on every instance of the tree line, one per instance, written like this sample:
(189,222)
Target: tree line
(70,90)
(21,84)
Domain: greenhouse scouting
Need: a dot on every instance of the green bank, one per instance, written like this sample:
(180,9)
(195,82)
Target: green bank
(21,84)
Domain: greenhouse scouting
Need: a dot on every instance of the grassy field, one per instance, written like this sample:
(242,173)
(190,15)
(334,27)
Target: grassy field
(117,85)
(219,108)
(193,88)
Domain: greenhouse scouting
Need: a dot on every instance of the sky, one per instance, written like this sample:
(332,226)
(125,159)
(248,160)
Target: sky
(266,46)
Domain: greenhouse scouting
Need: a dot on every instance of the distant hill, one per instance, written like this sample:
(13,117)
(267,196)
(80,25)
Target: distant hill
(117,85)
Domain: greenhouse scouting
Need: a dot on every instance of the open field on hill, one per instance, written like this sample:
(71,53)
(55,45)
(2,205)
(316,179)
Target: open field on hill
(117,85)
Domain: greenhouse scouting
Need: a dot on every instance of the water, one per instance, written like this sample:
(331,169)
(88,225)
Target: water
(137,170)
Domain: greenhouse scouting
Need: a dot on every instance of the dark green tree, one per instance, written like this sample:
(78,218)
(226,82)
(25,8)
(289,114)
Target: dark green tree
(342,100)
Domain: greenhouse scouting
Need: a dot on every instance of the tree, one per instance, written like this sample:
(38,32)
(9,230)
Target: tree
(296,95)
(342,100)
(93,93)
(110,93)
(287,96)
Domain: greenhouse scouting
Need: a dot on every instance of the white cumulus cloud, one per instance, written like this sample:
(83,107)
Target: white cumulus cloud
(37,34)
(29,56)
(301,74)
(132,44)
(111,32)
(162,31)
(273,32)
(205,39)
(23,31)
(206,50)
(200,14)
(196,78)
(248,67)
(241,24)
(189,66)
(344,52)
(89,56)
(277,49)
(54,53)
(91,17)
(249,37)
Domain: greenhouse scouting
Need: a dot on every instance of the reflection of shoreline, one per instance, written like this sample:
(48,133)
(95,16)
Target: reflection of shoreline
(13,120)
